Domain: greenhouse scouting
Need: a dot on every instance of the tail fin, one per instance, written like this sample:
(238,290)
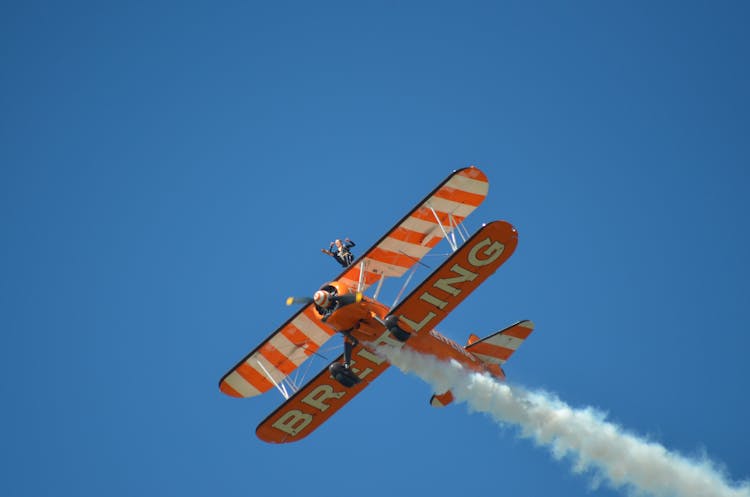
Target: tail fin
(498,347)
(493,350)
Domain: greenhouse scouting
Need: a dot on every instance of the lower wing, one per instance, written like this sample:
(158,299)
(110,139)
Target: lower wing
(319,399)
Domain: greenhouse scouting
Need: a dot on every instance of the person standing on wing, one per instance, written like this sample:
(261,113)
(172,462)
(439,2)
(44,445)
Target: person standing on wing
(340,251)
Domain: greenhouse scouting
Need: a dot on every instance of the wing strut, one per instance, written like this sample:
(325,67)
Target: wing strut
(450,240)
(380,284)
(361,283)
(280,387)
(406,283)
(458,227)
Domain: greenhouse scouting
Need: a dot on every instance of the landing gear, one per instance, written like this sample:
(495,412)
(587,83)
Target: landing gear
(342,372)
(344,375)
(391,324)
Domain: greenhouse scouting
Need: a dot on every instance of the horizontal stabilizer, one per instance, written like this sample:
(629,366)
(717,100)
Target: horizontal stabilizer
(441,400)
(497,348)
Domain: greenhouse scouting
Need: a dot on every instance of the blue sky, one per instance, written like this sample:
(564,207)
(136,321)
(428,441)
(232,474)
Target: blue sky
(169,172)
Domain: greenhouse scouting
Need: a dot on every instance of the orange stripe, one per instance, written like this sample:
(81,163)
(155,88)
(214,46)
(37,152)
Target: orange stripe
(254,377)
(353,275)
(350,283)
(434,241)
(406,235)
(425,214)
(370,277)
(473,173)
(227,389)
(460,196)
(394,258)
(299,339)
(279,360)
(491,350)
(310,313)
(414,237)
(518,332)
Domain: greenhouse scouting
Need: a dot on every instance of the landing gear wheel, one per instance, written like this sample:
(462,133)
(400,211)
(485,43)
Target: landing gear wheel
(344,375)
(391,324)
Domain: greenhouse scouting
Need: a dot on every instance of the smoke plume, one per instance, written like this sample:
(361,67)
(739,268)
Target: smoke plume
(623,460)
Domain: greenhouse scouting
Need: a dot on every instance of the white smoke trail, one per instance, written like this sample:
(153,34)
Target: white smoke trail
(624,460)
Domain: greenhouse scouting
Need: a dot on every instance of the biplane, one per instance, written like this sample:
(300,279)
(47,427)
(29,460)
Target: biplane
(340,307)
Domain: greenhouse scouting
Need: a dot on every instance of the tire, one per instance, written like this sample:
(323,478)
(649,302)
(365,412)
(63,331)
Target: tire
(346,381)
(391,324)
(344,376)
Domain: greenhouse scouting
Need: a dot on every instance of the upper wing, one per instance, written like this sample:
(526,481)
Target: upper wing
(280,354)
(318,400)
(407,242)
(421,229)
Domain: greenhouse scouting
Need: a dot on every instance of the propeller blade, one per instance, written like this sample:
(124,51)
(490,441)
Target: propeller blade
(350,298)
(299,300)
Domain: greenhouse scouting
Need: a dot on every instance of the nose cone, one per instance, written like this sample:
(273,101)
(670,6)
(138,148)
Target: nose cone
(322,298)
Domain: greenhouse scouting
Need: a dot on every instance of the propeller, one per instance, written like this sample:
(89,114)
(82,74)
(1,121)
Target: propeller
(349,298)
(299,300)
(324,298)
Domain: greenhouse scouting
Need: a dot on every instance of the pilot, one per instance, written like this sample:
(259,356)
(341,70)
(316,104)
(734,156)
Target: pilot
(340,251)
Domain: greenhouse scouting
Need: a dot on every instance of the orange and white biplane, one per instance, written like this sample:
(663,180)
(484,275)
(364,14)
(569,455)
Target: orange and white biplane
(340,306)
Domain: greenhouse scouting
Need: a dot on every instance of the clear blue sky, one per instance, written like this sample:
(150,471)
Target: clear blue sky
(170,171)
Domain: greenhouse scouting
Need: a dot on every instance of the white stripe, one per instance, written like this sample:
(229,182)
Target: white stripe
(295,353)
(241,385)
(506,341)
(352,274)
(401,247)
(313,330)
(421,226)
(449,206)
(376,268)
(256,358)
(478,187)
(350,284)
(488,358)
(387,269)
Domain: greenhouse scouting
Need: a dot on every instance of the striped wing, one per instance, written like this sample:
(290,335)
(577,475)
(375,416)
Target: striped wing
(277,356)
(419,231)
(498,348)
(395,253)
(318,400)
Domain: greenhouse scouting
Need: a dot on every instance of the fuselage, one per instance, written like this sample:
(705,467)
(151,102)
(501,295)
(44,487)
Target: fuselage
(363,320)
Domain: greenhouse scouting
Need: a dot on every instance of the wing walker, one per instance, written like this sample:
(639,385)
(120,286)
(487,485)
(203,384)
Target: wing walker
(340,307)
